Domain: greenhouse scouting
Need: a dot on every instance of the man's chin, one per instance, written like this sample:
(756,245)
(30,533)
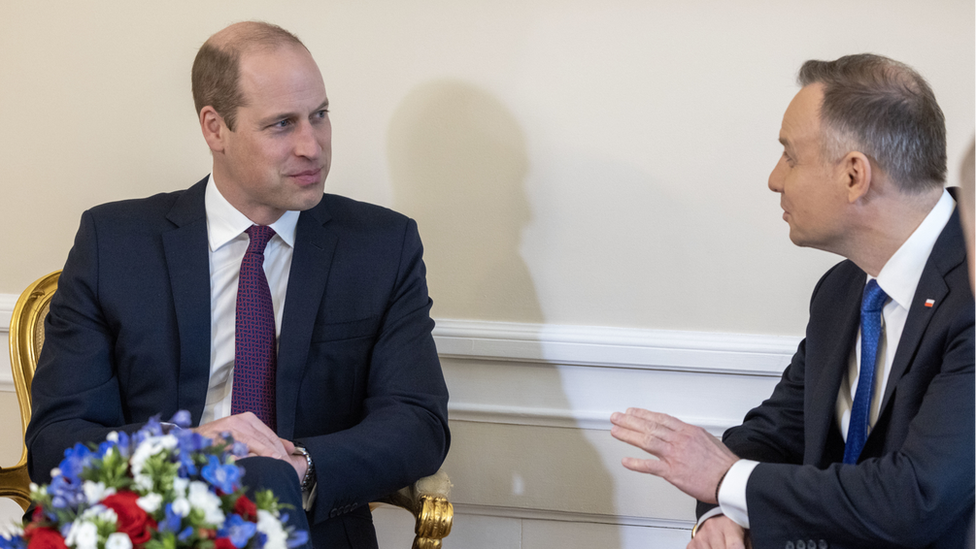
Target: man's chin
(310,198)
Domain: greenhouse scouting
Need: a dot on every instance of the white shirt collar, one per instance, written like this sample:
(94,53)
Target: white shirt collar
(225,222)
(900,275)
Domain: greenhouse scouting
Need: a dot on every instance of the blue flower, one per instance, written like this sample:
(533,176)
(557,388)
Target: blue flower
(238,530)
(225,477)
(153,427)
(172,521)
(189,444)
(185,534)
(64,493)
(15,542)
(296,538)
(75,460)
(239,450)
(182,419)
(124,443)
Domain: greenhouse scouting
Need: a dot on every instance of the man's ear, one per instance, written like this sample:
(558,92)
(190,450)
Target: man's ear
(213,127)
(857,175)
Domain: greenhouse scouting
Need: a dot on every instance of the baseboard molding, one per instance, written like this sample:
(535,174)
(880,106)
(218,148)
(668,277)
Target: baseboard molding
(569,516)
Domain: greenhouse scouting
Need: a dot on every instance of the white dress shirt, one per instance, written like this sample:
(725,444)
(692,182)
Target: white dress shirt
(899,279)
(228,243)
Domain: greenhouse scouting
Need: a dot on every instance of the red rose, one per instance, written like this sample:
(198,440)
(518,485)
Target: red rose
(223,543)
(246,509)
(45,538)
(132,521)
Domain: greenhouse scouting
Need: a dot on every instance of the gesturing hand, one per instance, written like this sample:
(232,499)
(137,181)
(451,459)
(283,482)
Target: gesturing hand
(688,457)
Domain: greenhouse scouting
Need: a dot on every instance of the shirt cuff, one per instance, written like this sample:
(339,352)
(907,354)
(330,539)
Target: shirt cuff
(732,493)
(713,512)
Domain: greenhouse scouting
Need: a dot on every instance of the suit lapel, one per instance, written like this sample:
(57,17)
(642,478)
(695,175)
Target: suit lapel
(187,258)
(831,362)
(947,254)
(310,264)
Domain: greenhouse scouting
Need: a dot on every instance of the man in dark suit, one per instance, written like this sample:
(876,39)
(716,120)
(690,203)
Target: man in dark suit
(851,450)
(143,322)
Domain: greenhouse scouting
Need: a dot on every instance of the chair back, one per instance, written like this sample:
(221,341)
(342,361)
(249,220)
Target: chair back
(26,340)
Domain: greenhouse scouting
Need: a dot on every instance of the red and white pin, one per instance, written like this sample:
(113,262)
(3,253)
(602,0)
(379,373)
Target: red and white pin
(929,303)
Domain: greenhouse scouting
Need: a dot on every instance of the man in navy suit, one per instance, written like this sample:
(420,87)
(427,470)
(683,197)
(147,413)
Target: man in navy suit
(861,175)
(143,322)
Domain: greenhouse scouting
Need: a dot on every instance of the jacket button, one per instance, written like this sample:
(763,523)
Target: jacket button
(800,544)
(822,544)
(789,545)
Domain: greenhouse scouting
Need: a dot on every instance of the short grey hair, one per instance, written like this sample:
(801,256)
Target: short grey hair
(887,111)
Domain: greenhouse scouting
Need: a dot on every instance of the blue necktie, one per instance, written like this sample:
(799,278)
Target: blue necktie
(255,352)
(857,430)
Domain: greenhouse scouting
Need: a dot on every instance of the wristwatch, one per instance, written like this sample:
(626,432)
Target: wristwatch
(309,471)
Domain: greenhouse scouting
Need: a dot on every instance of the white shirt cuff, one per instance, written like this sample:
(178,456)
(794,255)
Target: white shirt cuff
(713,512)
(732,494)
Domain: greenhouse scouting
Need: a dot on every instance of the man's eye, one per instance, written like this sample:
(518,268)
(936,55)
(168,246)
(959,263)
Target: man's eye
(282,123)
(322,113)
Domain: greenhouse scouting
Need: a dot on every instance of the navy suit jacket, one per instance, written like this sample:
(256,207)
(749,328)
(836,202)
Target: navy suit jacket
(358,379)
(913,485)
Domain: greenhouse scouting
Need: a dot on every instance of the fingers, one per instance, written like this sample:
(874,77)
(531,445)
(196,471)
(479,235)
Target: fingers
(654,467)
(288,445)
(650,431)
(248,429)
(719,532)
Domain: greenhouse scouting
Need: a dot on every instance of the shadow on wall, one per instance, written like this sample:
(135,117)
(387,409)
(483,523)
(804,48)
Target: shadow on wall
(458,165)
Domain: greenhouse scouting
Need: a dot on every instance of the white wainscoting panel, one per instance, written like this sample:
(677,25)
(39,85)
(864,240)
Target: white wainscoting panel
(532,460)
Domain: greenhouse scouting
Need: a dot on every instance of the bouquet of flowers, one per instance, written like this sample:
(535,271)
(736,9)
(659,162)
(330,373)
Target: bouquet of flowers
(152,490)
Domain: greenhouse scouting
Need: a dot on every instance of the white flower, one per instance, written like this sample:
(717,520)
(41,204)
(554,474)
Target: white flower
(150,447)
(143,482)
(202,498)
(181,507)
(118,540)
(96,491)
(271,527)
(180,485)
(112,437)
(82,535)
(150,502)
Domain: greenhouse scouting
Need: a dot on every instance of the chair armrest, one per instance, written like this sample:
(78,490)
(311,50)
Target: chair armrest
(428,500)
(15,484)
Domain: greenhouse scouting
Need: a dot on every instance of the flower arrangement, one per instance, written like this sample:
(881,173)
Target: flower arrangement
(153,490)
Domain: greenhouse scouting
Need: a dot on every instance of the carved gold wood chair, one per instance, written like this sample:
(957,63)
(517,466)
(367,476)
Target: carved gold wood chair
(426,499)
(26,339)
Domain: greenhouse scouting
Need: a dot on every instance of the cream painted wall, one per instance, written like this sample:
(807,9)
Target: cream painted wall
(569,162)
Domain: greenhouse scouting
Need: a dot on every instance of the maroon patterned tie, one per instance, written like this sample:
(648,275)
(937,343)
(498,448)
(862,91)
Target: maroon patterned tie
(255,353)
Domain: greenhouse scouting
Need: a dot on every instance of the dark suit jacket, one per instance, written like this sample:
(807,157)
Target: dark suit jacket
(914,483)
(358,377)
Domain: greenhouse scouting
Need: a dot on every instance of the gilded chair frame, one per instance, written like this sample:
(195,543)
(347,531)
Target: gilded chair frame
(426,499)
(26,340)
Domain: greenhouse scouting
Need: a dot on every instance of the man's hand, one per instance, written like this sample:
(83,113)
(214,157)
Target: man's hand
(259,438)
(689,458)
(720,532)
